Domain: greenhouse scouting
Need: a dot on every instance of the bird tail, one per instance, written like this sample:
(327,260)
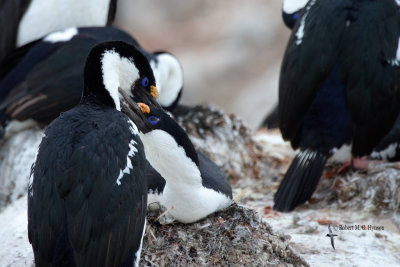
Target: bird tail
(300,180)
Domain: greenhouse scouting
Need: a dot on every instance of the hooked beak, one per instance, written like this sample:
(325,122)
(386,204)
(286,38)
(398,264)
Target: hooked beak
(149,98)
(134,112)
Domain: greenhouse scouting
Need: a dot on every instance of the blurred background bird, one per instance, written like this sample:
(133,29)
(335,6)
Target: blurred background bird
(339,86)
(255,29)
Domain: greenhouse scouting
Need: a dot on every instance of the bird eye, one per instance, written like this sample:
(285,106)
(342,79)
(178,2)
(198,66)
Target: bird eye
(145,82)
(153,120)
(296,16)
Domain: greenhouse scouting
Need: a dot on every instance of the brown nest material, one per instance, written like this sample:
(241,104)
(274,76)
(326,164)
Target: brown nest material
(233,237)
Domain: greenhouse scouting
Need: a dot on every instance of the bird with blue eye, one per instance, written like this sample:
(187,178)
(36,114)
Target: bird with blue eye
(91,167)
(179,176)
(338,88)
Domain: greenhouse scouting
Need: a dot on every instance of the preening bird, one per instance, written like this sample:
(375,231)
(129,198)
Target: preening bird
(43,79)
(88,188)
(182,177)
(339,84)
(23,21)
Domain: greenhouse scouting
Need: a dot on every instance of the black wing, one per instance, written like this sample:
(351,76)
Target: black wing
(362,39)
(75,191)
(212,176)
(307,62)
(48,79)
(11,12)
(155,181)
(371,71)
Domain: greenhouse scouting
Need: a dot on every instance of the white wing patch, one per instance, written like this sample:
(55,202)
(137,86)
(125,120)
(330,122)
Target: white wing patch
(300,32)
(396,61)
(30,187)
(61,36)
(128,167)
(133,128)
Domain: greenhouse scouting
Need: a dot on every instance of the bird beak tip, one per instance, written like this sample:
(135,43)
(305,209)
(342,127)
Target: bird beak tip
(153,91)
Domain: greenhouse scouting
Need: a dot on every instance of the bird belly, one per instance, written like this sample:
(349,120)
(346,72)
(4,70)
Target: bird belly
(193,203)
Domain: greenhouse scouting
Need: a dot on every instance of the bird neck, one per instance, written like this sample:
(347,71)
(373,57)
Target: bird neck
(169,159)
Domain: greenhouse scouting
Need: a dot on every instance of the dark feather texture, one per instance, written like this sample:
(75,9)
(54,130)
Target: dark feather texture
(75,205)
(10,14)
(339,83)
(300,180)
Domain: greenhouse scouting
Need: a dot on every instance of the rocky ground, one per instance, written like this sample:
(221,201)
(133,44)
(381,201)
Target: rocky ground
(251,233)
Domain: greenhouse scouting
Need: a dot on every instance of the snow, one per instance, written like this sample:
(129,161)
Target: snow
(15,248)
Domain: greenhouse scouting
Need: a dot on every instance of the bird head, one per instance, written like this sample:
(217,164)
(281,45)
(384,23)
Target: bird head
(114,66)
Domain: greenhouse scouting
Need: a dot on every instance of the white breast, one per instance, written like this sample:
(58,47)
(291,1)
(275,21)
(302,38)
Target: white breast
(183,189)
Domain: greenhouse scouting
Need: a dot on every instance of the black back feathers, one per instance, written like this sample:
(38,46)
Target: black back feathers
(91,217)
(339,83)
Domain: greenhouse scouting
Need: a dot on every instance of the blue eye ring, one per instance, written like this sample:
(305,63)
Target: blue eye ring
(153,120)
(296,16)
(145,82)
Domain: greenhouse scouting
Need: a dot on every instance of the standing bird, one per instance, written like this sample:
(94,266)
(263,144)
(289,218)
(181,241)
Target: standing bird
(88,189)
(23,21)
(42,80)
(291,12)
(339,84)
(182,177)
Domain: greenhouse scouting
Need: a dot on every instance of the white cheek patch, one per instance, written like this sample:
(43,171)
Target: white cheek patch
(291,6)
(169,78)
(118,72)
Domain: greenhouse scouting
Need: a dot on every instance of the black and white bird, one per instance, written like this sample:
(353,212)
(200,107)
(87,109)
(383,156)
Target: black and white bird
(183,178)
(23,21)
(291,12)
(39,81)
(331,235)
(88,189)
(339,84)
